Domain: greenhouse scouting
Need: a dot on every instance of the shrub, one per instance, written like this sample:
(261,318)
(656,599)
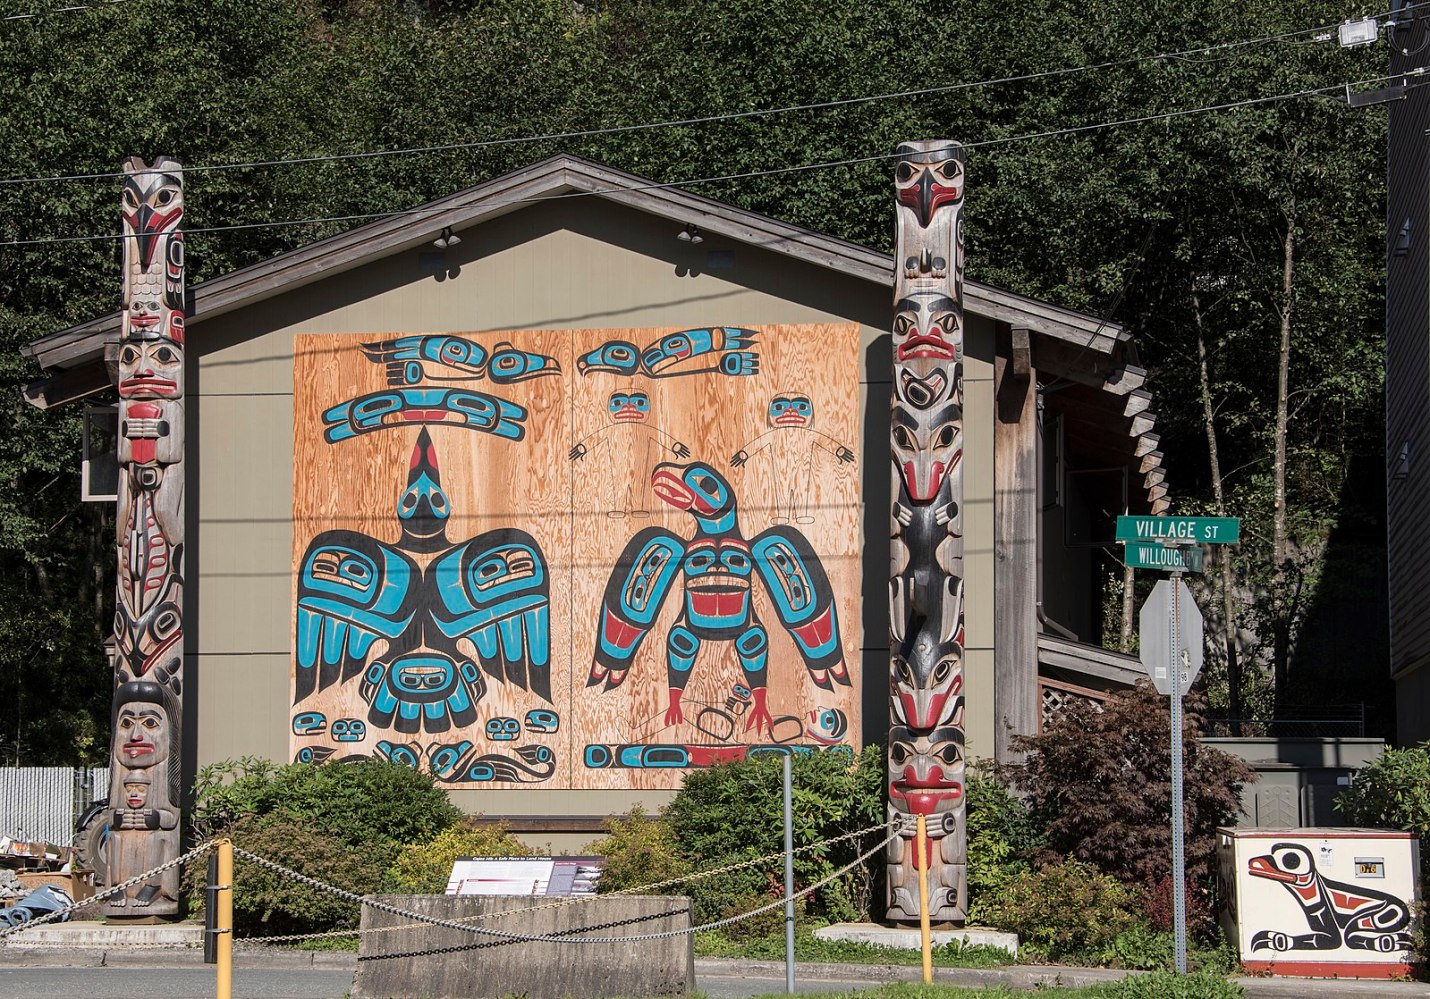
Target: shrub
(425,868)
(1167,985)
(1141,949)
(1066,907)
(733,812)
(1158,896)
(639,850)
(1001,836)
(360,802)
(1099,782)
(1393,792)
(266,903)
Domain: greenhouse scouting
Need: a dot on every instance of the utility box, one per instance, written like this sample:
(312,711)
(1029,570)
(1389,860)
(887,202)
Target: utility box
(1320,902)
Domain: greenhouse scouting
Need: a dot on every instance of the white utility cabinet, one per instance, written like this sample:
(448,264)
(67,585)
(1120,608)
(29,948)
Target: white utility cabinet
(1321,902)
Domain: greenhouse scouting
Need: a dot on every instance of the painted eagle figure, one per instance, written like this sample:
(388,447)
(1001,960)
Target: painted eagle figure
(420,630)
(715,568)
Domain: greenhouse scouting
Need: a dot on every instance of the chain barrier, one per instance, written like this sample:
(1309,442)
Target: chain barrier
(255,942)
(123,886)
(465,927)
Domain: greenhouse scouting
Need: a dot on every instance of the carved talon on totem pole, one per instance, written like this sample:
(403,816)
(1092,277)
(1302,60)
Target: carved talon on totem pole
(716,566)
(926,742)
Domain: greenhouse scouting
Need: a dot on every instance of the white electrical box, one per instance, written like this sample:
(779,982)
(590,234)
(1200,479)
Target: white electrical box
(1320,902)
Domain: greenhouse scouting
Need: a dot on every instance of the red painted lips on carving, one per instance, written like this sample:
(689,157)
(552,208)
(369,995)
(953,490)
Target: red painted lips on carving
(926,345)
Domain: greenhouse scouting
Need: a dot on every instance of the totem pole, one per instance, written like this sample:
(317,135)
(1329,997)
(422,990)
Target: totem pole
(147,364)
(926,757)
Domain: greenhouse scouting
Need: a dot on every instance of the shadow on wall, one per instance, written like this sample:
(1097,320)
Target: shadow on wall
(877,490)
(1342,654)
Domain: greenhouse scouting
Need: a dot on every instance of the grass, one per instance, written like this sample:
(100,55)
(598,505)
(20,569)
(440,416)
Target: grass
(809,948)
(1161,986)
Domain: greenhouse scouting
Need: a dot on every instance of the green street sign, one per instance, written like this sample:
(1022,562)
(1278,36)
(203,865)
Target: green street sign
(1168,558)
(1188,530)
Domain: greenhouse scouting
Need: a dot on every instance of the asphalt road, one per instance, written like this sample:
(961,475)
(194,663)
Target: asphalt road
(279,983)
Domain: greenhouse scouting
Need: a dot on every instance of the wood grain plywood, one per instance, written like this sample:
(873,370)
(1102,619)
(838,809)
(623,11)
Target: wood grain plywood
(581,512)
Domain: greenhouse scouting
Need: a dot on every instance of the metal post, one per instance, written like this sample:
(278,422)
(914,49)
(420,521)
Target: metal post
(223,922)
(921,843)
(211,912)
(1179,872)
(789,877)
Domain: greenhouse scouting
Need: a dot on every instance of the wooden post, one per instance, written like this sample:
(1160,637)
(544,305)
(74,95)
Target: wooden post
(1015,526)
(921,844)
(223,922)
(926,751)
(147,366)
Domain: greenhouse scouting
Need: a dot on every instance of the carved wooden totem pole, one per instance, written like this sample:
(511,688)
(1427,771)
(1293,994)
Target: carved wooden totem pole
(147,364)
(926,761)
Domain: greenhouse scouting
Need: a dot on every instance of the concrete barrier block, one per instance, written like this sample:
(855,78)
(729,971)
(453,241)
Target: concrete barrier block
(419,959)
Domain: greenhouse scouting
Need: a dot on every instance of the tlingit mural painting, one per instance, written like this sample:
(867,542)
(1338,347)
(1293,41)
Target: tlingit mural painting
(147,365)
(579,559)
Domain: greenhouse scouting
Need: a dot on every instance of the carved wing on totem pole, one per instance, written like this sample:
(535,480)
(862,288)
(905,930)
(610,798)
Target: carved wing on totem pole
(926,742)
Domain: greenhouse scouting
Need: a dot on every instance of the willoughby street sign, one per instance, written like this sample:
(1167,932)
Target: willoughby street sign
(1169,558)
(1190,530)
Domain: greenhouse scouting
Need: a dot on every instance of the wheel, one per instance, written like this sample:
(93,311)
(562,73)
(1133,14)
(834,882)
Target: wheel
(91,841)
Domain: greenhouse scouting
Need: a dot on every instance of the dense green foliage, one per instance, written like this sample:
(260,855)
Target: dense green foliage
(1001,837)
(1099,780)
(1393,792)
(424,868)
(640,851)
(1065,907)
(360,802)
(358,826)
(734,812)
(1175,228)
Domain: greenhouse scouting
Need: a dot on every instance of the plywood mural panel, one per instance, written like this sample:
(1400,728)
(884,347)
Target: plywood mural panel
(576,559)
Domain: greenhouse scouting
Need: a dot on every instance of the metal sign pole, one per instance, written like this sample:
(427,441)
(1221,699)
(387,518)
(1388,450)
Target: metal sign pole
(1179,873)
(789,877)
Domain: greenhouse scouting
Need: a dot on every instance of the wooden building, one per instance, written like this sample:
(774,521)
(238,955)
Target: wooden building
(1407,390)
(551,266)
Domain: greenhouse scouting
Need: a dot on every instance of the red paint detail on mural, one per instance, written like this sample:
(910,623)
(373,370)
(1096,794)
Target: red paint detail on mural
(719,601)
(708,756)
(819,631)
(618,633)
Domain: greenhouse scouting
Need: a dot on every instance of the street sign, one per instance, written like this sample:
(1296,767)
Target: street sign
(1168,558)
(1199,530)
(1158,625)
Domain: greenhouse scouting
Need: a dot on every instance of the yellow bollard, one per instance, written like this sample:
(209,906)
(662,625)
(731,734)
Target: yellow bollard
(921,842)
(223,921)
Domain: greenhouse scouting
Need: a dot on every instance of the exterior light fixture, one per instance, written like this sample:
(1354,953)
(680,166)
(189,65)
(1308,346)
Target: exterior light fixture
(1402,463)
(447,240)
(1366,31)
(690,234)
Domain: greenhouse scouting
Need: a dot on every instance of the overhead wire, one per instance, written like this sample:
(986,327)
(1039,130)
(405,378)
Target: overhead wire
(752,174)
(61,10)
(687,122)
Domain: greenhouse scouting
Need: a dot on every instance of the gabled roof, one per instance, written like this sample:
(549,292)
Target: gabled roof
(1072,345)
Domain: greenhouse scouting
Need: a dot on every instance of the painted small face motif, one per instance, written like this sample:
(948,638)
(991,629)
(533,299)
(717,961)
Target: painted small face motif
(924,182)
(423,507)
(828,725)
(143,735)
(790,411)
(927,450)
(150,369)
(628,407)
(927,326)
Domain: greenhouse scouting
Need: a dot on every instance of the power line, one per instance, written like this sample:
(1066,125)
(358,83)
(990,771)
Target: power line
(752,174)
(61,10)
(686,122)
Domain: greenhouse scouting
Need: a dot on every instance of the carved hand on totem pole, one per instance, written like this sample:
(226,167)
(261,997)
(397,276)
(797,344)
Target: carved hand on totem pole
(926,748)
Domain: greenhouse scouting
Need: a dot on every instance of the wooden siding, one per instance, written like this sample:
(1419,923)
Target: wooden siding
(1407,380)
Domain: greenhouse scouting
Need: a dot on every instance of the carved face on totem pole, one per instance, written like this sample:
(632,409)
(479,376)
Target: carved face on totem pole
(141,726)
(153,209)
